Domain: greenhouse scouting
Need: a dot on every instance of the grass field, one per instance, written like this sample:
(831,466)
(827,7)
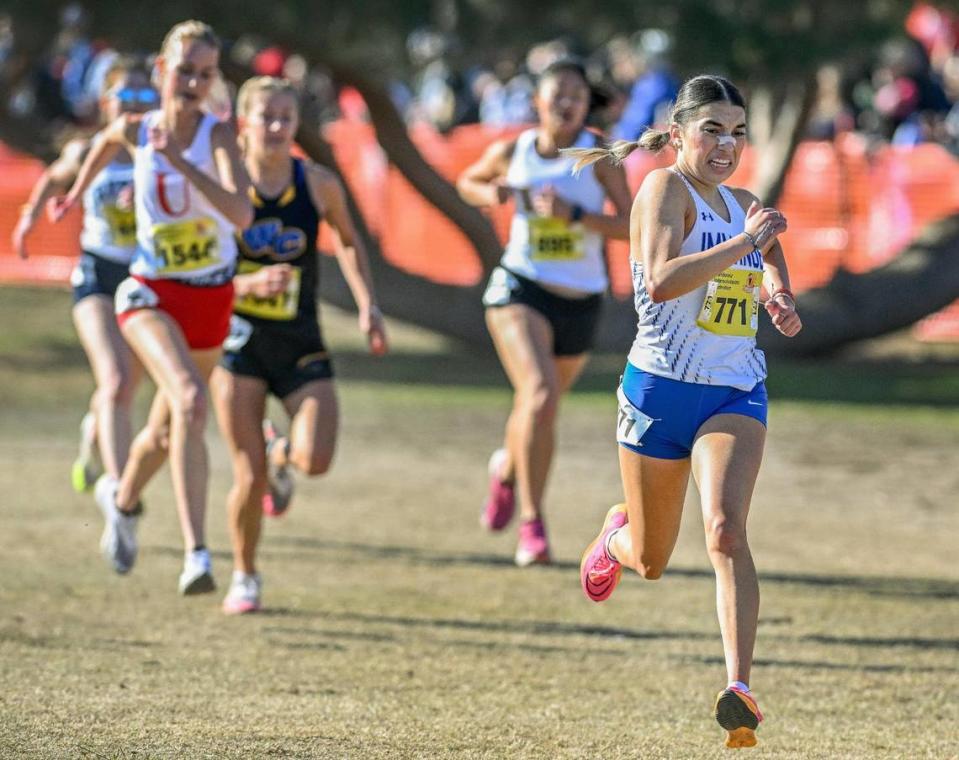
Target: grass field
(395,628)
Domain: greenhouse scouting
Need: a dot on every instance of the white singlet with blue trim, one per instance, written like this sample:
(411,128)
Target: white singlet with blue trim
(180,234)
(109,227)
(548,250)
(669,339)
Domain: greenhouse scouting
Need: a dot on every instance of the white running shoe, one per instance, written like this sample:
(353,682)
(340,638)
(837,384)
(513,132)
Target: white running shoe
(244,594)
(119,540)
(87,467)
(277,498)
(197,575)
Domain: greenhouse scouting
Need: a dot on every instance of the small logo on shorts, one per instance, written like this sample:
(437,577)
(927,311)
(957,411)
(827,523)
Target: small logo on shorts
(754,403)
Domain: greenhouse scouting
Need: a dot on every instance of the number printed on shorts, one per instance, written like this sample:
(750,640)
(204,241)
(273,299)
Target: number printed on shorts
(500,288)
(132,295)
(631,424)
(240,332)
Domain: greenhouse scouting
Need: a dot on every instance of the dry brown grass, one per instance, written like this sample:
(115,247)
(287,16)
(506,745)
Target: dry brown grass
(396,629)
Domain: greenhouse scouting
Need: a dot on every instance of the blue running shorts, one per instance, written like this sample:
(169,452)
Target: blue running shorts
(660,417)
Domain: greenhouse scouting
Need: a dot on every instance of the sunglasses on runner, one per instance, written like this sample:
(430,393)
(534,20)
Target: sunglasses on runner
(140,95)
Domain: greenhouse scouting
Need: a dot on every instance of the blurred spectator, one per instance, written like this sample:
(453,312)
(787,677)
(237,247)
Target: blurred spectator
(831,114)
(441,96)
(936,29)
(654,88)
(269,62)
(906,90)
(506,94)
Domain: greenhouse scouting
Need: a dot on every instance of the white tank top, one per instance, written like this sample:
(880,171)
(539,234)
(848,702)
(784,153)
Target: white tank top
(180,234)
(109,228)
(545,249)
(707,335)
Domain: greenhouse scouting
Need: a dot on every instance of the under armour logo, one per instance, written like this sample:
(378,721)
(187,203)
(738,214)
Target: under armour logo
(707,217)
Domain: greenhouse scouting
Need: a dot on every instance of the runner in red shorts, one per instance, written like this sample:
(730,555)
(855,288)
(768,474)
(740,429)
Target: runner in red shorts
(191,194)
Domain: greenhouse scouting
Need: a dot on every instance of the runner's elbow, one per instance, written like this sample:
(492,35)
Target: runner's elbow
(657,292)
(242,217)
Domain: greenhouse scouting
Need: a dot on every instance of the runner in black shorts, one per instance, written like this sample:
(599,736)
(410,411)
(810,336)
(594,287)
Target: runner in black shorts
(275,344)
(574,321)
(108,240)
(543,300)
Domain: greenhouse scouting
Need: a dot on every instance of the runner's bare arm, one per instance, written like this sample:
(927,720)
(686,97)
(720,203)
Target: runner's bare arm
(328,194)
(613,180)
(484,182)
(112,139)
(56,179)
(657,229)
(229,194)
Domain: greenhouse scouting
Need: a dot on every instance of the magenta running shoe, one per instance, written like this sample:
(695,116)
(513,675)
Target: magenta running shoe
(533,547)
(501,501)
(598,572)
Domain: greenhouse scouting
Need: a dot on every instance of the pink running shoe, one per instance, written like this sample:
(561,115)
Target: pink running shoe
(598,572)
(533,547)
(244,594)
(501,501)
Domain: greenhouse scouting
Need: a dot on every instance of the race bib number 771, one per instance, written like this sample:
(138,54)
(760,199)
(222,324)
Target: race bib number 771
(731,304)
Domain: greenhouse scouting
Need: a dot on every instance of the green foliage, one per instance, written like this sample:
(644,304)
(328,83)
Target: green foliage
(754,39)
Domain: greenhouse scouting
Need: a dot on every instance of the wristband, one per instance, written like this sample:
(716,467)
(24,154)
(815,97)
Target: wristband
(576,213)
(783,292)
(752,240)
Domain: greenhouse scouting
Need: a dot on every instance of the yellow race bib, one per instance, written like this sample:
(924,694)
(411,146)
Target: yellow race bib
(123,225)
(552,239)
(283,306)
(183,247)
(731,305)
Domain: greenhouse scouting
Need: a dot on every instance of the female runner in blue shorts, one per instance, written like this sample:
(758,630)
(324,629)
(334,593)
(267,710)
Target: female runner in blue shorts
(692,398)
(108,241)
(275,344)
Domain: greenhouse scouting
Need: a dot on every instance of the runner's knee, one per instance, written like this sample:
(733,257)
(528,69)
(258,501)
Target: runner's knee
(650,568)
(116,388)
(541,402)
(249,479)
(724,536)
(190,405)
(312,463)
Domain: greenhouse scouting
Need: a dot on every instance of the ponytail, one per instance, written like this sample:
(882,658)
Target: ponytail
(653,140)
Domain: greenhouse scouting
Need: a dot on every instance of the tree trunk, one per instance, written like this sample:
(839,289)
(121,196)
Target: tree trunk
(453,310)
(921,280)
(778,137)
(394,138)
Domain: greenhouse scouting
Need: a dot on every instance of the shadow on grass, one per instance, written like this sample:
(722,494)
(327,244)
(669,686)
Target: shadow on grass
(823,665)
(916,642)
(550,628)
(517,627)
(328,637)
(925,588)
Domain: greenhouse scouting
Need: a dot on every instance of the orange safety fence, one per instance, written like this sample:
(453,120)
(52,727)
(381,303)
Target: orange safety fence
(847,206)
